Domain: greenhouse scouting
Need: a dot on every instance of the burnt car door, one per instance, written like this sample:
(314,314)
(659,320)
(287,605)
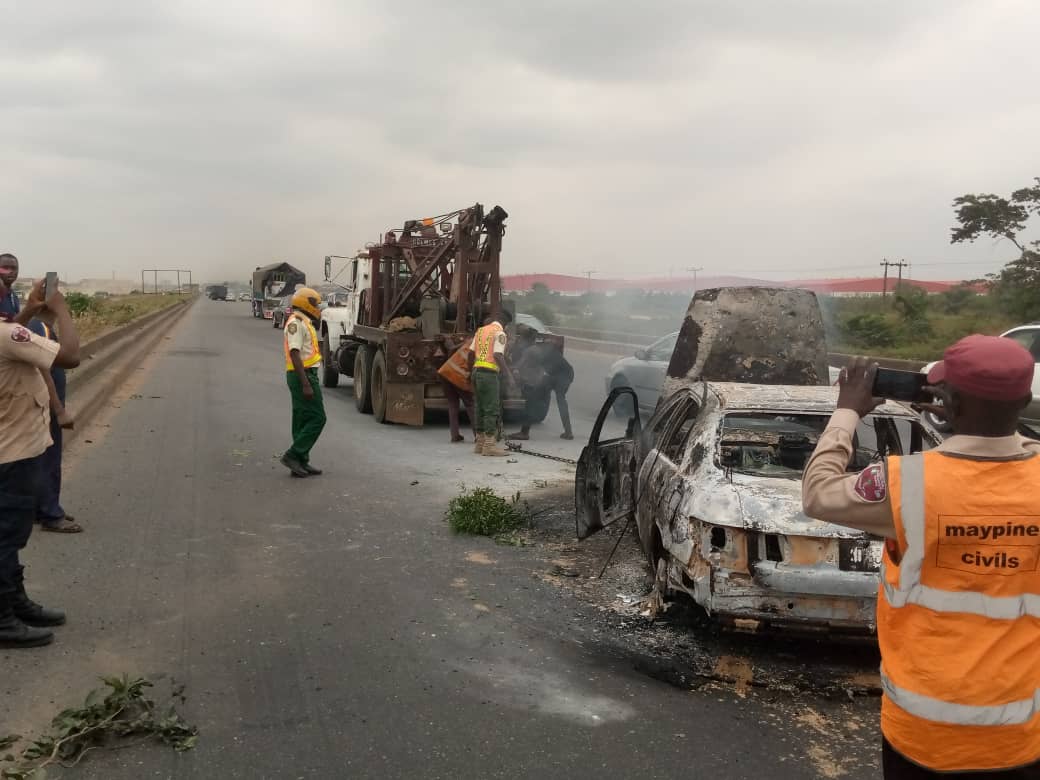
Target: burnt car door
(604,481)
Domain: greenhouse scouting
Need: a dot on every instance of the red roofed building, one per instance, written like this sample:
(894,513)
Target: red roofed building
(868,286)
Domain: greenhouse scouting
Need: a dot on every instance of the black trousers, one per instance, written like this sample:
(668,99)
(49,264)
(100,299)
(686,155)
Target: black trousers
(896,767)
(19,488)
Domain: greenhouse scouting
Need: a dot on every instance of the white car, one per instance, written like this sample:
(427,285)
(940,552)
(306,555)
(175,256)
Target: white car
(1029,337)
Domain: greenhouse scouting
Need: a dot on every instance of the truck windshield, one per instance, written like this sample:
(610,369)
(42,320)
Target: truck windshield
(779,445)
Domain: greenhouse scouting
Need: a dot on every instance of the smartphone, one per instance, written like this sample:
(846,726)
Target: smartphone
(50,286)
(901,386)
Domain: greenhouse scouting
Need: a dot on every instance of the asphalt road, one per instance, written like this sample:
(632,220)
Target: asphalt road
(334,627)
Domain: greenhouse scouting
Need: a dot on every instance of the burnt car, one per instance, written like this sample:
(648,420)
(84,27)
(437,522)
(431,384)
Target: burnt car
(713,483)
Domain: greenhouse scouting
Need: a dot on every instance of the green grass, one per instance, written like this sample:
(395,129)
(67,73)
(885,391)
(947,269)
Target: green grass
(96,316)
(481,512)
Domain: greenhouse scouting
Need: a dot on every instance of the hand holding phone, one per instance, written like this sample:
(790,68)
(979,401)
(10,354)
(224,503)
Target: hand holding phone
(50,285)
(908,386)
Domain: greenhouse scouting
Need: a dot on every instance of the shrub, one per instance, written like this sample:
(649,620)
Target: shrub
(869,330)
(483,513)
(79,303)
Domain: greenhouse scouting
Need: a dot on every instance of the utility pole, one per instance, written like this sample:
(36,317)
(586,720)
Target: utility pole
(588,275)
(694,271)
(887,264)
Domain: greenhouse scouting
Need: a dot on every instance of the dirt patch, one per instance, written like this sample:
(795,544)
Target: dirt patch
(481,557)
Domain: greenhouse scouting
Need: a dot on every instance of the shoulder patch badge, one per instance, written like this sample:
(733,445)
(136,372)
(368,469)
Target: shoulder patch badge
(871,485)
(292,328)
(21,335)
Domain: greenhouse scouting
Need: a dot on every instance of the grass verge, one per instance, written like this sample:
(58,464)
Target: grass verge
(96,316)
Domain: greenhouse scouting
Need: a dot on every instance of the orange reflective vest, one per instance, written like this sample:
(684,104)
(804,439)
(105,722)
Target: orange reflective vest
(484,346)
(959,613)
(456,370)
(311,357)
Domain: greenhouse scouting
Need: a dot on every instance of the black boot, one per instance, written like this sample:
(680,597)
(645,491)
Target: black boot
(311,470)
(294,466)
(14,633)
(28,611)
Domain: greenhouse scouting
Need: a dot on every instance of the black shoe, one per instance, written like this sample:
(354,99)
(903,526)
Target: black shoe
(14,633)
(311,470)
(294,466)
(27,610)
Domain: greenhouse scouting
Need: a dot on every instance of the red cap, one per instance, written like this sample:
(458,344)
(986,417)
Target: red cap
(989,367)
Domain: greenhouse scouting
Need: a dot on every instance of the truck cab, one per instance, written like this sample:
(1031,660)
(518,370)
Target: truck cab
(338,345)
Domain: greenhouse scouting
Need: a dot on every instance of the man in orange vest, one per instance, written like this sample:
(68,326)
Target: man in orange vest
(959,601)
(487,360)
(302,356)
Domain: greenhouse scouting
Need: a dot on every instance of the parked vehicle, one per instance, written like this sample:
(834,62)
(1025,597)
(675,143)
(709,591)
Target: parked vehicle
(411,300)
(1029,337)
(713,480)
(713,484)
(645,372)
(281,312)
(244,296)
(532,322)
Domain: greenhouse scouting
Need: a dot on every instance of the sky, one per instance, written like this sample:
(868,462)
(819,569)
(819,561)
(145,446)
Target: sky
(779,140)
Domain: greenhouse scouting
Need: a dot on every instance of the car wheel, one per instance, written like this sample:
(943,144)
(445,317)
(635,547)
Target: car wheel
(622,406)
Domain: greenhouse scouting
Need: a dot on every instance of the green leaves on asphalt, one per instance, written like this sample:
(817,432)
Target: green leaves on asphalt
(483,513)
(111,717)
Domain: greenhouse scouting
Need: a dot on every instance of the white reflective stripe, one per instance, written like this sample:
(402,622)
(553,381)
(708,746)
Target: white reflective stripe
(911,510)
(968,602)
(1016,713)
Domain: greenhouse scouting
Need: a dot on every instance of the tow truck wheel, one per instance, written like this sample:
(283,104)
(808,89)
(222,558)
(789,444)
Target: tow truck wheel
(379,386)
(329,371)
(362,380)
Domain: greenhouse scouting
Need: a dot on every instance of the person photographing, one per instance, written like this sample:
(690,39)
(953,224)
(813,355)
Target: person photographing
(24,436)
(959,602)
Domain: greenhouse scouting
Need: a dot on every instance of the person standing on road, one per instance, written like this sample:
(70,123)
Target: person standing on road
(24,436)
(455,378)
(543,371)
(302,356)
(486,361)
(9,305)
(50,514)
(959,603)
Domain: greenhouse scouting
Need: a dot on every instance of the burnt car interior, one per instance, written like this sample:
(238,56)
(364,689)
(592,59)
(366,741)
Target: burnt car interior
(766,444)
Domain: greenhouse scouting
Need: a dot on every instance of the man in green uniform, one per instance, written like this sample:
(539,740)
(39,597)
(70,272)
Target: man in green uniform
(302,356)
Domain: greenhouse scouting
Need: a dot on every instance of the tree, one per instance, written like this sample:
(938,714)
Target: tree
(1018,284)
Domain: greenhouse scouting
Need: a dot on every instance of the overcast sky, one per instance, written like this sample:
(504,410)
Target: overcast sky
(771,138)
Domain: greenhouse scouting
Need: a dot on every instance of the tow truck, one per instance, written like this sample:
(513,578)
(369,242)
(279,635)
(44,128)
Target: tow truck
(411,299)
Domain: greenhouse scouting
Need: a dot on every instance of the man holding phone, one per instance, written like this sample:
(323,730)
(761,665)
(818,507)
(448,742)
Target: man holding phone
(24,435)
(959,602)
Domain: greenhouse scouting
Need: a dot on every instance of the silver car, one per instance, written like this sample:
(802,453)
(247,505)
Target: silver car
(645,372)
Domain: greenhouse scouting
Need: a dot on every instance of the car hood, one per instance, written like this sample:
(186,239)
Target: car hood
(764,504)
